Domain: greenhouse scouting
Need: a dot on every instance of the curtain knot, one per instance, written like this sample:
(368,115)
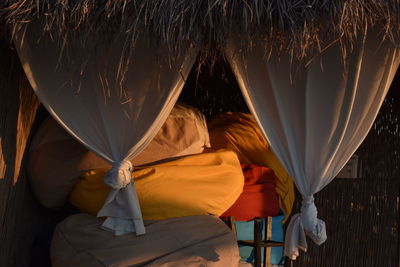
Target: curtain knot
(308,200)
(314,227)
(120,175)
(302,224)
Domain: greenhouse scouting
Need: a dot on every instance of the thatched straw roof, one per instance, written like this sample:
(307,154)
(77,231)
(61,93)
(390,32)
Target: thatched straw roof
(301,27)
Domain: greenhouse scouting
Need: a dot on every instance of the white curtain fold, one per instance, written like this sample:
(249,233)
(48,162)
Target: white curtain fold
(114,113)
(314,117)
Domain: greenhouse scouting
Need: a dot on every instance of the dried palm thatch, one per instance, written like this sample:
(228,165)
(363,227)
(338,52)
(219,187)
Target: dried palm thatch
(299,27)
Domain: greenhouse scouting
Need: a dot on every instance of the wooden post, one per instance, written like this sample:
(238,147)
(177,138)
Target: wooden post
(258,226)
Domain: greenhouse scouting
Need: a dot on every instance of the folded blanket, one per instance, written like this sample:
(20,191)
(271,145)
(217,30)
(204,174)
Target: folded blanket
(239,132)
(188,241)
(194,185)
(259,198)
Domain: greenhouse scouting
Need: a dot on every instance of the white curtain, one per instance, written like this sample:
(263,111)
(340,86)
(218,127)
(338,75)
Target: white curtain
(115,118)
(314,117)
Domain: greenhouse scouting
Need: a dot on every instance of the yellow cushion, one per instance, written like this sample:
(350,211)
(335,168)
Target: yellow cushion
(239,132)
(195,185)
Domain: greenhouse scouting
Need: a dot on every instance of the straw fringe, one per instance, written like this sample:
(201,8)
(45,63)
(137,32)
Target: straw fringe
(299,27)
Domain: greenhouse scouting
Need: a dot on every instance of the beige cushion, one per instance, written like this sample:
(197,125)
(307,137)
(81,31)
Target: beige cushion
(56,160)
(187,241)
(183,133)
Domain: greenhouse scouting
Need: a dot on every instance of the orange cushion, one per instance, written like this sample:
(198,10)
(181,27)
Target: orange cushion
(195,185)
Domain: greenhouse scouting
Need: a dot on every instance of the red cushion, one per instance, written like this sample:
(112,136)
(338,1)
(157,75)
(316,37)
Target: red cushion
(259,198)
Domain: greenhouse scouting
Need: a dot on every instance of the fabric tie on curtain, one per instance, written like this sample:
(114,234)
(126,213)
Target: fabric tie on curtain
(119,178)
(120,175)
(304,223)
(314,116)
(114,111)
(314,227)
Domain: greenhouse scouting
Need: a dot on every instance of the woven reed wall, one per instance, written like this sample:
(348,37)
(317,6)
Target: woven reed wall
(25,226)
(19,216)
(362,215)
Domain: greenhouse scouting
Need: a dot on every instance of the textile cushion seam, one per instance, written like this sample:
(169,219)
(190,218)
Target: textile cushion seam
(79,251)
(193,244)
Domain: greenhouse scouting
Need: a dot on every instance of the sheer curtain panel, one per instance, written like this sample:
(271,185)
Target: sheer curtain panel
(112,104)
(314,116)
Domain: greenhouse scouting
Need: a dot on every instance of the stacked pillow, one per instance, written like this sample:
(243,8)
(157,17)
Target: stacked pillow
(56,160)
